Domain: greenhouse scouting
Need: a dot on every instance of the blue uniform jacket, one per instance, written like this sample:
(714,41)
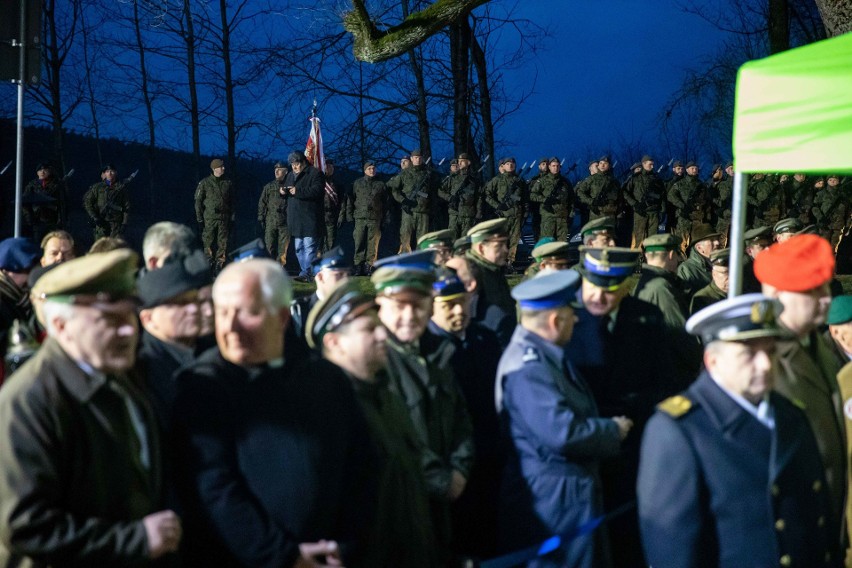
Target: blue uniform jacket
(550,484)
(718,488)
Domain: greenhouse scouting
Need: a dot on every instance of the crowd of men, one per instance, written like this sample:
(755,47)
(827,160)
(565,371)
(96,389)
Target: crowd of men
(165,414)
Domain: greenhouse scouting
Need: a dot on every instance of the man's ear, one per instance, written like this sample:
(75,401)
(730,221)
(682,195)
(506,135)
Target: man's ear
(152,263)
(145,316)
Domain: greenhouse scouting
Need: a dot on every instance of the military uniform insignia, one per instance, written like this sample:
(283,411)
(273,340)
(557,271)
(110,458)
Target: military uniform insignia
(675,406)
(530,355)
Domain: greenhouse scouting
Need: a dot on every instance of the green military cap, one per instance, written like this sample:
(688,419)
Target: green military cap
(436,238)
(789,225)
(106,167)
(646,158)
(840,311)
(758,234)
(829,176)
(280,164)
(608,267)
(745,317)
(809,230)
(591,163)
(635,165)
(405,157)
(217,163)
(729,165)
(599,225)
(604,158)
(553,159)
(703,232)
(369,163)
(411,272)
(461,245)
(505,160)
(720,257)
(544,159)
(488,230)
(344,304)
(555,249)
(463,156)
(661,242)
(454,162)
(416,152)
(677,164)
(104,276)
(691,164)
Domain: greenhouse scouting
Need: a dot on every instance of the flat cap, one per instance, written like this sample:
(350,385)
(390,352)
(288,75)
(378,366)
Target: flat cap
(750,316)
(661,242)
(179,274)
(463,156)
(217,163)
(758,234)
(703,232)
(554,159)
(106,167)
(447,285)
(720,257)
(548,291)
(18,254)
(799,264)
(252,249)
(279,164)
(789,225)
(494,228)
(369,163)
(413,271)
(416,152)
(436,239)
(840,310)
(604,158)
(646,158)
(332,259)
(344,304)
(296,157)
(607,267)
(599,225)
(555,249)
(105,276)
(691,164)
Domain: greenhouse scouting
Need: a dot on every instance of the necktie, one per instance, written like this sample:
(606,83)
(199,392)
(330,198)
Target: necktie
(134,423)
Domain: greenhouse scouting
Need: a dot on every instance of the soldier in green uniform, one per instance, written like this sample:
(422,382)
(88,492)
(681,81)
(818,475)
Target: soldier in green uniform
(555,197)
(505,194)
(214,211)
(535,206)
(658,283)
(581,193)
(694,272)
(766,199)
(272,215)
(365,207)
(678,172)
(333,211)
(51,214)
(786,228)
(723,201)
(441,205)
(495,308)
(831,210)
(689,196)
(553,255)
(415,190)
(463,197)
(107,204)
(440,242)
(645,193)
(717,290)
(799,197)
(601,191)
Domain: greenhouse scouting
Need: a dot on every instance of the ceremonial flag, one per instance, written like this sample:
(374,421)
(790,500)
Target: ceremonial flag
(314,153)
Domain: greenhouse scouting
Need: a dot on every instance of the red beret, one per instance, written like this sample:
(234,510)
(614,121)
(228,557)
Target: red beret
(799,264)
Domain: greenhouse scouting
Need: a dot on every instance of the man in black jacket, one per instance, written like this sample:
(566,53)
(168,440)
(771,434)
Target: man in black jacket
(305,187)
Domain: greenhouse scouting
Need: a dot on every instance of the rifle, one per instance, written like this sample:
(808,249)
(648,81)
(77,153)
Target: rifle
(68,175)
(455,199)
(511,197)
(6,167)
(129,178)
(665,166)
(408,198)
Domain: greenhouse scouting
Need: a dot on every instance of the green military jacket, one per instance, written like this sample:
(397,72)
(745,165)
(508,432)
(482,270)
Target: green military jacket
(601,192)
(694,272)
(214,199)
(663,289)
(724,199)
(52,213)
(766,198)
(414,189)
(689,196)
(463,194)
(708,295)
(555,195)
(800,199)
(645,193)
(506,194)
(272,207)
(107,204)
(831,206)
(368,199)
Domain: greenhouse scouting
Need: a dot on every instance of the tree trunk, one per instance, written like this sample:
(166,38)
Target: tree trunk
(53,66)
(189,41)
(779,26)
(479,63)
(460,67)
(229,84)
(146,98)
(422,115)
(90,88)
(836,15)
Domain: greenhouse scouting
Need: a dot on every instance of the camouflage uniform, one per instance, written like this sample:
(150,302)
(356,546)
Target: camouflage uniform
(272,215)
(214,210)
(556,198)
(365,207)
(766,199)
(333,212)
(689,197)
(646,194)
(41,218)
(415,207)
(463,195)
(724,203)
(600,192)
(505,195)
(800,199)
(831,210)
(108,207)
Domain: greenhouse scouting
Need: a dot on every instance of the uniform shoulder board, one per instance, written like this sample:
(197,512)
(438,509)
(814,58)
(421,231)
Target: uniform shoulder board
(530,355)
(675,406)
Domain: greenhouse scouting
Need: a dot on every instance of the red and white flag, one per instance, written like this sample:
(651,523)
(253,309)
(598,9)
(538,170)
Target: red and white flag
(316,157)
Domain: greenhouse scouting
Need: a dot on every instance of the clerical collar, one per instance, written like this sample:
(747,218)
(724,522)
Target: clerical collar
(254,371)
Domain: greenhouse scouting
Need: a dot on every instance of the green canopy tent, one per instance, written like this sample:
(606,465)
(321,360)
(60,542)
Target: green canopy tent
(793,113)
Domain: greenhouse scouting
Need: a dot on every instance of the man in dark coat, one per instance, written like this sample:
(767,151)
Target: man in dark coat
(18,256)
(718,288)
(694,272)
(80,482)
(276,465)
(45,203)
(730,472)
(488,256)
(658,284)
(345,327)
(551,483)
(306,188)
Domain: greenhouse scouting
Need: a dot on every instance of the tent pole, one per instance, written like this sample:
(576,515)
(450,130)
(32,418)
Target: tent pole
(735,283)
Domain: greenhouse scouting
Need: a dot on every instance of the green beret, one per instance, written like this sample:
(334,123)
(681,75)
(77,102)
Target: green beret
(599,225)
(720,257)
(105,276)
(344,304)
(416,152)
(429,240)
(661,242)
(217,163)
(488,230)
(840,311)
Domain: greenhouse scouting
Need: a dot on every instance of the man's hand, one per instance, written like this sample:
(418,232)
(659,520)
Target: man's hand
(317,554)
(292,189)
(164,532)
(624,425)
(457,485)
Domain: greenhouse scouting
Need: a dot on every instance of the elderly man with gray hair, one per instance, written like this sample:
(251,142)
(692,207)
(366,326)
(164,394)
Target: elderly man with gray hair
(276,463)
(305,186)
(165,238)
